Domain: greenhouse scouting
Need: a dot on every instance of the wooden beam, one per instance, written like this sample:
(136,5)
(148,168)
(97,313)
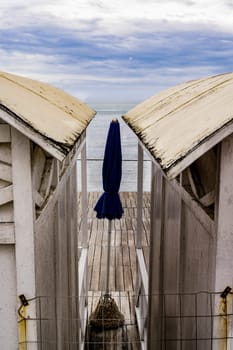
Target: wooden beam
(38,199)
(224,244)
(7,233)
(156,260)
(5,172)
(143,271)
(5,153)
(195,207)
(6,194)
(4,183)
(38,164)
(24,228)
(47,178)
(5,135)
(60,185)
(84,196)
(139,196)
(6,212)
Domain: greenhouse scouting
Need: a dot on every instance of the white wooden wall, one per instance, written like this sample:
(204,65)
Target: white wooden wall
(181,261)
(38,245)
(223,326)
(56,249)
(8,319)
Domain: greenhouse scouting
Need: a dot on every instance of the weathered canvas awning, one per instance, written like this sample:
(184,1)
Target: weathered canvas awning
(45,114)
(180,124)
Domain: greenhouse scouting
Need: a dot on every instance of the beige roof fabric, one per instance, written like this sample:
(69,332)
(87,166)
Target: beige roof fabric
(49,111)
(173,123)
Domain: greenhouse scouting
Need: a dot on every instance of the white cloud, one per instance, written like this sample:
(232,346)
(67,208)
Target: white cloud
(116,16)
(120,49)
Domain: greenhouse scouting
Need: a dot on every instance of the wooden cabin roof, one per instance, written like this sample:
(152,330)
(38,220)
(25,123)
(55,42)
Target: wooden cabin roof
(180,124)
(49,116)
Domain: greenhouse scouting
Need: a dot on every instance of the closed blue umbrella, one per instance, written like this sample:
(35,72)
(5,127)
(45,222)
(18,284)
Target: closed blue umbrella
(109,206)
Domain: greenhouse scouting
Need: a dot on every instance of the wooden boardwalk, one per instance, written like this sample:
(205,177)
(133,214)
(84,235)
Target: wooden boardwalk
(122,268)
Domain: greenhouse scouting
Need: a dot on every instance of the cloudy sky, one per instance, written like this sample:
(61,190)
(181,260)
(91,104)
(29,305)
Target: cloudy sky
(116,50)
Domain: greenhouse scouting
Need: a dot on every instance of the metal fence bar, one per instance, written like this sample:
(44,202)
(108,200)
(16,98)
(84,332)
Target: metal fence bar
(189,314)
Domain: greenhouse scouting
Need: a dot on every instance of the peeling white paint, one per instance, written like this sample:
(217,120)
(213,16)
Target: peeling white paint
(48,110)
(171,124)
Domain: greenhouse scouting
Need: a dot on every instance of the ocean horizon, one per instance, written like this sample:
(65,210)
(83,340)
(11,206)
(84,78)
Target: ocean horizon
(96,134)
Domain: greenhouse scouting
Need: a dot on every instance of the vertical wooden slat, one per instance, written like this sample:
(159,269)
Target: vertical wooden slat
(171,269)
(62,278)
(155,272)
(74,247)
(84,195)
(139,197)
(224,244)
(24,227)
(69,260)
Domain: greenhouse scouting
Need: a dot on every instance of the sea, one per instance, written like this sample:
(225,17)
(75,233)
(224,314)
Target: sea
(96,135)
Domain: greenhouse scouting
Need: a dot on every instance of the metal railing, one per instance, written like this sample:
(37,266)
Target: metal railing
(193,321)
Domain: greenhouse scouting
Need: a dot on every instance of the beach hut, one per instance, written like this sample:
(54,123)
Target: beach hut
(184,296)
(42,131)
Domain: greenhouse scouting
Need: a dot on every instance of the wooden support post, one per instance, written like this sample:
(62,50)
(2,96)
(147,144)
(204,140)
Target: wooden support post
(141,273)
(224,262)
(74,252)
(139,197)
(84,196)
(24,228)
(155,273)
(83,270)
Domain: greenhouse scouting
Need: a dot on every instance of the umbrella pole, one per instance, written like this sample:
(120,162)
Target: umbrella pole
(108,257)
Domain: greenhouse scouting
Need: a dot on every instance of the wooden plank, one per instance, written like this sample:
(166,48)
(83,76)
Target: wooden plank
(5,134)
(119,269)
(103,269)
(56,175)
(139,196)
(126,258)
(112,279)
(155,280)
(96,269)
(24,226)
(53,199)
(47,178)
(38,199)
(124,236)
(7,233)
(82,268)
(128,282)
(143,271)
(199,213)
(224,243)
(131,235)
(5,172)
(91,250)
(118,238)
(5,153)
(38,165)
(84,194)
(8,318)
(6,212)
(6,194)
(4,183)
